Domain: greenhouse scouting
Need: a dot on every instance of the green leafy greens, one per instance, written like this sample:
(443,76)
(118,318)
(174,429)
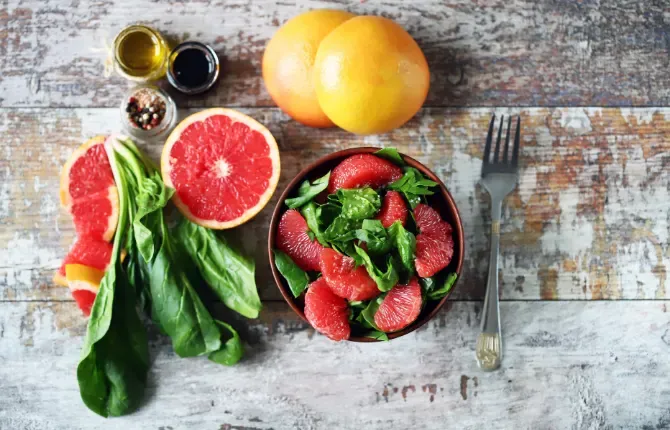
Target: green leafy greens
(296,277)
(414,186)
(308,191)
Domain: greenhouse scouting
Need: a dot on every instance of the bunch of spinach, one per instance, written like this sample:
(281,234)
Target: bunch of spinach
(158,275)
(345,222)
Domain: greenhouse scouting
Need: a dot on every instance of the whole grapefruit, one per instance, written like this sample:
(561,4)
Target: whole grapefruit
(288,61)
(370,75)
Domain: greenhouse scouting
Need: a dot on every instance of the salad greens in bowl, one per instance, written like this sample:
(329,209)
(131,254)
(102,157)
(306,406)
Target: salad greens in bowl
(366,244)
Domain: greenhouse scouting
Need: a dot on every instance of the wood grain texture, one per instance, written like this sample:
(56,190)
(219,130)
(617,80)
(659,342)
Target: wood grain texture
(578,365)
(496,53)
(590,218)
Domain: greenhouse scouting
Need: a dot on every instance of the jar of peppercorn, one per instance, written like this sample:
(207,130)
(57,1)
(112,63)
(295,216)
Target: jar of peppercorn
(148,113)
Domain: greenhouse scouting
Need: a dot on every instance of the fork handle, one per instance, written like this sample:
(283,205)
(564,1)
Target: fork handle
(489,344)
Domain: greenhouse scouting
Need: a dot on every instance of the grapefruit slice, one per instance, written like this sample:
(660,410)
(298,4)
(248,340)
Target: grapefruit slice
(326,312)
(292,238)
(88,192)
(400,307)
(393,209)
(363,170)
(84,283)
(86,251)
(434,244)
(223,165)
(345,279)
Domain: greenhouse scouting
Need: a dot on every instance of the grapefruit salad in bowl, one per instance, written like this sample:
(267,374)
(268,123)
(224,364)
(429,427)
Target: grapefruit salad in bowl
(366,244)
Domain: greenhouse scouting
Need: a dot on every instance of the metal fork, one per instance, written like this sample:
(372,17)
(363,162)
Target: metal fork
(499,178)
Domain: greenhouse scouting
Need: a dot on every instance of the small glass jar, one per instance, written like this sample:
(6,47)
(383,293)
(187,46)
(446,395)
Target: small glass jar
(140,53)
(148,113)
(193,67)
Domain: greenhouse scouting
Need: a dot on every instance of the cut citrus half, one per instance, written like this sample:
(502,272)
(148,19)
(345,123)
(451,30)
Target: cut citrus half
(84,283)
(223,165)
(88,192)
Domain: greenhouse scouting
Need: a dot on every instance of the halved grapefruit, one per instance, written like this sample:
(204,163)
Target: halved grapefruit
(88,191)
(223,165)
(84,283)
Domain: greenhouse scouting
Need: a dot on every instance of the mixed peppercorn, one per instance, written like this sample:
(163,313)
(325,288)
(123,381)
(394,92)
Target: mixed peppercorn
(145,109)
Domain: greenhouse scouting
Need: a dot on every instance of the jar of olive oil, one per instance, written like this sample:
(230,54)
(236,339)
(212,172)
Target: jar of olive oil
(140,53)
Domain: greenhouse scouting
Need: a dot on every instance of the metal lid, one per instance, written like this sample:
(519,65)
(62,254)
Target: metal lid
(213,72)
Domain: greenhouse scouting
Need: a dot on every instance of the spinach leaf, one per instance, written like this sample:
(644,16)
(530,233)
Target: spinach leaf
(386,279)
(227,272)
(360,203)
(307,192)
(438,286)
(152,196)
(342,229)
(311,213)
(232,350)
(376,334)
(115,358)
(413,185)
(405,242)
(296,277)
(373,233)
(392,155)
(369,312)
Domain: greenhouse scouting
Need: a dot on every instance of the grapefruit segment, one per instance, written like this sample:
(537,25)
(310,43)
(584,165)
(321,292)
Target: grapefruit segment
(326,312)
(345,279)
(88,252)
(363,170)
(393,209)
(434,244)
(86,172)
(96,215)
(400,307)
(292,239)
(84,283)
(223,165)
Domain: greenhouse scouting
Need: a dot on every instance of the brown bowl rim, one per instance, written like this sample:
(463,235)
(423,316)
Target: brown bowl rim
(279,209)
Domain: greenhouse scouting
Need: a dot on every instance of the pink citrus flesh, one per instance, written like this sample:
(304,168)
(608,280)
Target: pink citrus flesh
(345,279)
(363,170)
(88,252)
(393,209)
(223,165)
(326,312)
(434,243)
(292,238)
(96,215)
(400,307)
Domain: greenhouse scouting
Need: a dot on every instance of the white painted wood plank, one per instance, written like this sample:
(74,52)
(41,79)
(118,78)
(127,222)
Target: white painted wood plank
(580,365)
(589,219)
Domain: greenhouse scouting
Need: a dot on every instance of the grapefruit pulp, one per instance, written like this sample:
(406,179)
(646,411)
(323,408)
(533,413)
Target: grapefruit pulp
(88,191)
(393,209)
(223,165)
(326,312)
(345,279)
(84,283)
(434,243)
(363,170)
(88,252)
(400,307)
(292,238)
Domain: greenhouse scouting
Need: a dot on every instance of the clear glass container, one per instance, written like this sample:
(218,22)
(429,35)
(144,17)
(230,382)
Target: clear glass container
(211,67)
(140,53)
(161,130)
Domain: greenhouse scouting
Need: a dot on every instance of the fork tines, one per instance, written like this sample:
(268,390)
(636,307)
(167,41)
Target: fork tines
(505,159)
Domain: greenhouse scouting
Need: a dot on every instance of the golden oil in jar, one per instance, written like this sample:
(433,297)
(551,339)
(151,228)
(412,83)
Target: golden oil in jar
(140,53)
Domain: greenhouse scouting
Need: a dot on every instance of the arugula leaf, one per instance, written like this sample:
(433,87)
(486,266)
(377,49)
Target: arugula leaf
(373,233)
(413,185)
(392,155)
(437,287)
(296,277)
(307,192)
(359,203)
(405,242)
(385,280)
(311,213)
(228,273)
(115,356)
(232,350)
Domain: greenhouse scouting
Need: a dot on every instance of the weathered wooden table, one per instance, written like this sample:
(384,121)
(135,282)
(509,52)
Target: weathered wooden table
(585,251)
